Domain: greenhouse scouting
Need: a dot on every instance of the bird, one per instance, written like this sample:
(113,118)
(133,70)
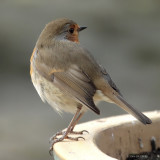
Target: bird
(67,76)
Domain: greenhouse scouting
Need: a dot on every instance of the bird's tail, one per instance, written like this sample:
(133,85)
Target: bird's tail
(127,107)
(121,102)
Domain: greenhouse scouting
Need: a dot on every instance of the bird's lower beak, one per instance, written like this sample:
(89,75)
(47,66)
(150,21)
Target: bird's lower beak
(81,28)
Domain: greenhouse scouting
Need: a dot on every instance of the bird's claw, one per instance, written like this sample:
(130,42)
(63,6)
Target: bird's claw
(51,151)
(79,132)
(75,138)
(55,136)
(54,139)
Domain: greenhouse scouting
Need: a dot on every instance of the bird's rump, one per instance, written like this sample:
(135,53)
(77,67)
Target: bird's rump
(109,80)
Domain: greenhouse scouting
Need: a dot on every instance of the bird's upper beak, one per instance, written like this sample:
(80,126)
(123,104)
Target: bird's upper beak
(81,28)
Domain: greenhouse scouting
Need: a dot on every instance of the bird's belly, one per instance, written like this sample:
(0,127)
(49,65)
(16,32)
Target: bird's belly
(54,96)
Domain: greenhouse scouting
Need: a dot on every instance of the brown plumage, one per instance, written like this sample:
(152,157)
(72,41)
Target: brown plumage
(68,77)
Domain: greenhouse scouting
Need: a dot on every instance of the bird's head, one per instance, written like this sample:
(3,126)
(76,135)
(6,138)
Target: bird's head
(61,29)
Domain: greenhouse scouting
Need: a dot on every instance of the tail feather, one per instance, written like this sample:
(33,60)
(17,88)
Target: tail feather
(137,114)
(111,91)
(121,102)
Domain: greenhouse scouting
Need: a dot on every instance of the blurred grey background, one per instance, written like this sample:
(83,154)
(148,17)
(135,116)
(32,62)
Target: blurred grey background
(124,36)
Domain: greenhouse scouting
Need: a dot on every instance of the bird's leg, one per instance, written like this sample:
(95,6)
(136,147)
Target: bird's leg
(71,130)
(73,122)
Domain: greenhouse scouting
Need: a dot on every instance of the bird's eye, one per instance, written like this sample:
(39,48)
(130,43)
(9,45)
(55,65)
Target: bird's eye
(71,30)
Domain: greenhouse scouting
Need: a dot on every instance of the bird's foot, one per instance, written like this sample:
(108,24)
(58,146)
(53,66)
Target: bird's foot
(54,139)
(63,133)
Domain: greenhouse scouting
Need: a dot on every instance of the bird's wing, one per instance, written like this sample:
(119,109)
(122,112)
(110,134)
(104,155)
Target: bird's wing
(72,81)
(76,83)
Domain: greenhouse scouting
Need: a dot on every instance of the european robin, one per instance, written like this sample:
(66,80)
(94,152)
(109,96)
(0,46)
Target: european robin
(68,77)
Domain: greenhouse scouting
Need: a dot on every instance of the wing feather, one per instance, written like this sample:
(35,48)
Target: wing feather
(78,85)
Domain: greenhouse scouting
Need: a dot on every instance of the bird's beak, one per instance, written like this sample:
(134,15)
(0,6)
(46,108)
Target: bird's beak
(81,28)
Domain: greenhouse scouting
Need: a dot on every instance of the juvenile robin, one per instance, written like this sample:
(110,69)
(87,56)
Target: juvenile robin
(68,77)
